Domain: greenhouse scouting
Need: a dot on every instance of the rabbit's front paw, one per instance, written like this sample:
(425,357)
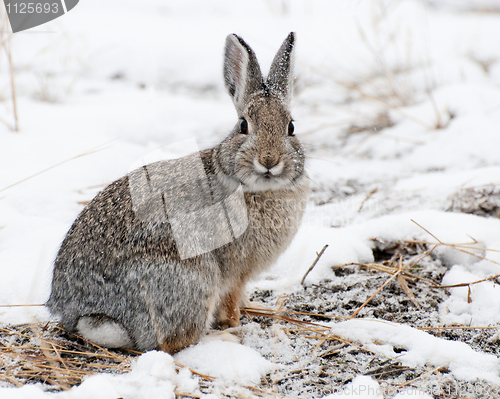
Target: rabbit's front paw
(229,310)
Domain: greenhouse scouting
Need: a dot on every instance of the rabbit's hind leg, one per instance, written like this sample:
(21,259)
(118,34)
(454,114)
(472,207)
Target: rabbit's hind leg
(191,334)
(172,346)
(104,331)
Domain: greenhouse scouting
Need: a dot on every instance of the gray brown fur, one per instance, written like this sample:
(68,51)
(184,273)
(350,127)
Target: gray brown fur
(113,265)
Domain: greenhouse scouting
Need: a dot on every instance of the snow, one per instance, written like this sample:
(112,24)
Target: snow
(226,360)
(109,84)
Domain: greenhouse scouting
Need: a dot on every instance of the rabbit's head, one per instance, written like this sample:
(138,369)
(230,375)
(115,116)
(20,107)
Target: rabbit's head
(262,152)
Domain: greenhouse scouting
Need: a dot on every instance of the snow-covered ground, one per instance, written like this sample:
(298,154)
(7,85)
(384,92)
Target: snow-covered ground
(397,103)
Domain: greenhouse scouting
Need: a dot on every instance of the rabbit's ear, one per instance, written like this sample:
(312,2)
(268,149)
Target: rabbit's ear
(242,75)
(280,78)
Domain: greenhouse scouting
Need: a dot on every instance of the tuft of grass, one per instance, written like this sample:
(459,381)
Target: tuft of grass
(406,272)
(44,354)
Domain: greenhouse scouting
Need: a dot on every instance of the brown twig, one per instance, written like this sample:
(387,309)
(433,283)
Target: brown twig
(406,289)
(427,231)
(367,198)
(318,256)
(15,306)
(471,283)
(204,376)
(264,313)
(328,316)
(460,248)
(389,270)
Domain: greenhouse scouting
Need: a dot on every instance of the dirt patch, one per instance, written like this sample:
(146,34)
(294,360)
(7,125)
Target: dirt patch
(481,201)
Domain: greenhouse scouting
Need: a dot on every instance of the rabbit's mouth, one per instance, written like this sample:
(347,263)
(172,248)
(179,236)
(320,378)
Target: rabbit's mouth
(266,177)
(258,177)
(268,171)
(264,182)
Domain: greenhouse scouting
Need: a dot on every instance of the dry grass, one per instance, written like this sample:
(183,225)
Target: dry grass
(8,91)
(318,256)
(47,354)
(405,273)
(43,353)
(404,267)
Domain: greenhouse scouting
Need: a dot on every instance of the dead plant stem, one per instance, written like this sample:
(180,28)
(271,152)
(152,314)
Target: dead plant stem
(318,256)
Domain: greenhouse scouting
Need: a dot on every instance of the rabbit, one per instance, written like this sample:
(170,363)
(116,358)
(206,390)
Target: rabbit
(137,270)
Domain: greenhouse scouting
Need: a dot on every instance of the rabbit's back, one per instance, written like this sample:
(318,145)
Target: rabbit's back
(110,263)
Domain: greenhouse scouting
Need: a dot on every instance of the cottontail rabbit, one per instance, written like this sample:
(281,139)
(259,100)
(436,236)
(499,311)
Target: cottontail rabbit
(164,253)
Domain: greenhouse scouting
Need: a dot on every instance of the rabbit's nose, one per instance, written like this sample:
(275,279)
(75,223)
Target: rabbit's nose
(269,167)
(269,162)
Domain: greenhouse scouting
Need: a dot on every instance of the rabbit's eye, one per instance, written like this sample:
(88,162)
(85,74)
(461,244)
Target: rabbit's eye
(244,127)
(291,129)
